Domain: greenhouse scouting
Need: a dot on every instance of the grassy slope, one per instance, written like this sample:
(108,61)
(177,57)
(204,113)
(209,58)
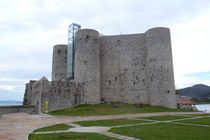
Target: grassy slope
(164,131)
(70,136)
(107,109)
(110,122)
(53,128)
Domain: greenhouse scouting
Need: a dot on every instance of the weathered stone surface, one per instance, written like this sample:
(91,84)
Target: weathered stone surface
(138,68)
(64,94)
(132,68)
(28,93)
(161,89)
(58,94)
(17,109)
(123,68)
(87,64)
(59,62)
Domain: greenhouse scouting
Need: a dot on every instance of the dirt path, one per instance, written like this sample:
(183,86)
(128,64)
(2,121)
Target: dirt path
(17,126)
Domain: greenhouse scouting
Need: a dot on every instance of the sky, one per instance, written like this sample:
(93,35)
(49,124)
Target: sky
(30,28)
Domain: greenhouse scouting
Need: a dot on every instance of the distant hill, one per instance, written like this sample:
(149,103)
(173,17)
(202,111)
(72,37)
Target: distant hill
(196,91)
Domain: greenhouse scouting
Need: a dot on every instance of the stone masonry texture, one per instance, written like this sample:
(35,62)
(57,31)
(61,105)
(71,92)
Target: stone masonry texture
(59,62)
(161,89)
(58,94)
(87,64)
(123,68)
(131,68)
(134,68)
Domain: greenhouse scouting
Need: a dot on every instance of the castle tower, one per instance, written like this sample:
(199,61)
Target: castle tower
(59,62)
(87,64)
(161,89)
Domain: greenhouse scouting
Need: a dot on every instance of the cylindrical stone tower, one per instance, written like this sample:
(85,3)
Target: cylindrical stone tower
(59,62)
(87,64)
(161,89)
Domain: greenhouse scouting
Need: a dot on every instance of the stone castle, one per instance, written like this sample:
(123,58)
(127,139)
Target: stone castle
(132,68)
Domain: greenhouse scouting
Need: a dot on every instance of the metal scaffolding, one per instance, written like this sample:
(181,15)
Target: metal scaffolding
(73,28)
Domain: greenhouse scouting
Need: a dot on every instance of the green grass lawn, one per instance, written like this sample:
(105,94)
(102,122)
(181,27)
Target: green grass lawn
(205,121)
(110,122)
(159,131)
(165,131)
(107,109)
(56,127)
(166,118)
(69,136)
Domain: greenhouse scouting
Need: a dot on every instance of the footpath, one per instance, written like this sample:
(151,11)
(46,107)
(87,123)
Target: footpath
(17,126)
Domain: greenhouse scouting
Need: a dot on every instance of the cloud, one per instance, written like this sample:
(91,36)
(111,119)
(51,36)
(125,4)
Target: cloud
(11,92)
(193,78)
(190,45)
(200,75)
(10,95)
(30,28)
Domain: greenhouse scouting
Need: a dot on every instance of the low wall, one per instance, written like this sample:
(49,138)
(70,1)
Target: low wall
(58,94)
(62,94)
(16,109)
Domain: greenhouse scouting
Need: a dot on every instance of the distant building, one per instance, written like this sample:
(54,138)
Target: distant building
(185,104)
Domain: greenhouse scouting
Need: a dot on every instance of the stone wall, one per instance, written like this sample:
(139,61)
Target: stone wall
(59,62)
(17,109)
(58,94)
(28,90)
(161,89)
(123,68)
(37,92)
(135,68)
(87,64)
(64,94)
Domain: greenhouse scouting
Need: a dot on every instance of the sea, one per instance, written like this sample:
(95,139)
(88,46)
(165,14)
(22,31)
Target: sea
(203,107)
(10,103)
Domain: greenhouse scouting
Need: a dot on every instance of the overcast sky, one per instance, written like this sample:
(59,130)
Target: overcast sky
(30,28)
